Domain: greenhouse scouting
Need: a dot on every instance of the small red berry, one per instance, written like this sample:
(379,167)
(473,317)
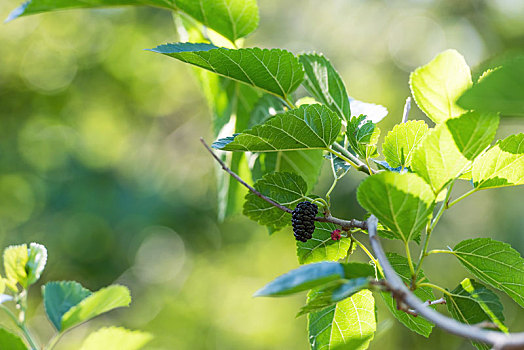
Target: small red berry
(335,235)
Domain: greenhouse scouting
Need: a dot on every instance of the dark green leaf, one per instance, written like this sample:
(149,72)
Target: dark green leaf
(275,71)
(473,132)
(307,127)
(324,83)
(501,90)
(61,296)
(232,18)
(495,263)
(266,107)
(363,136)
(286,189)
(416,324)
(405,202)
(303,278)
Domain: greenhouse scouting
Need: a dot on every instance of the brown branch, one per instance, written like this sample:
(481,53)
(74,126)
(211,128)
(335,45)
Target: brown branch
(344,224)
(498,340)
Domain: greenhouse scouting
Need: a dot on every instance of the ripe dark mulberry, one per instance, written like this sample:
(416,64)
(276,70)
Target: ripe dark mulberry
(303,220)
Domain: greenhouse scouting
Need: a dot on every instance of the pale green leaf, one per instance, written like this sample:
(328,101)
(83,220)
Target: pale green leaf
(15,260)
(400,142)
(231,18)
(61,296)
(37,258)
(495,263)
(363,136)
(304,278)
(502,165)
(307,127)
(286,189)
(321,247)
(437,85)
(307,164)
(404,203)
(437,158)
(473,132)
(101,301)
(116,338)
(470,306)
(501,90)
(275,71)
(416,324)
(325,84)
(10,341)
(350,324)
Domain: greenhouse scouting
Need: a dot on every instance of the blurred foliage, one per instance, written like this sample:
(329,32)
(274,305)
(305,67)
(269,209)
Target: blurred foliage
(100,160)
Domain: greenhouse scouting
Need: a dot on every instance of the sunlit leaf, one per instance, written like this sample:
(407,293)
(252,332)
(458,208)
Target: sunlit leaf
(61,296)
(15,260)
(437,158)
(10,341)
(349,324)
(303,278)
(321,247)
(416,324)
(275,71)
(286,189)
(307,127)
(500,90)
(37,258)
(473,132)
(116,338)
(325,84)
(400,142)
(232,18)
(404,203)
(97,303)
(437,85)
(495,263)
(502,165)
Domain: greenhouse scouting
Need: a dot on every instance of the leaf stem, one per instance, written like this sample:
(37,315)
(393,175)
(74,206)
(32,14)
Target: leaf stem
(434,286)
(465,195)
(52,343)
(408,256)
(288,103)
(368,253)
(357,165)
(440,251)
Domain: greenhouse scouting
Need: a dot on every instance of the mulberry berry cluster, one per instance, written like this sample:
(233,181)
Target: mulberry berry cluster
(303,220)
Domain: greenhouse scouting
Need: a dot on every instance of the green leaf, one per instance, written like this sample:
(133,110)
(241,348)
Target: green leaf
(307,127)
(495,263)
(116,338)
(350,324)
(61,296)
(404,203)
(232,18)
(275,71)
(416,324)
(101,301)
(437,85)
(286,189)
(307,164)
(501,90)
(324,83)
(303,278)
(15,260)
(363,136)
(475,305)
(10,341)
(502,165)
(266,107)
(473,132)
(400,142)
(37,258)
(437,158)
(321,247)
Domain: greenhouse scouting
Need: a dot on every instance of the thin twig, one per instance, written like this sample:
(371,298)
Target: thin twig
(397,287)
(346,225)
(407,108)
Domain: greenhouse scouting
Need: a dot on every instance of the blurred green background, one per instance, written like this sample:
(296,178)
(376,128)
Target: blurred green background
(100,161)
